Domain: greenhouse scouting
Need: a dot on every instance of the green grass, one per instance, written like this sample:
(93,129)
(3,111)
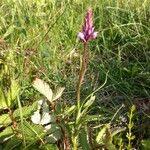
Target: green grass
(38,38)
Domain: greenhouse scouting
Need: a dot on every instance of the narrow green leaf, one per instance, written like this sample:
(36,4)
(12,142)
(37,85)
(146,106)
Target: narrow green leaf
(69,110)
(89,102)
(13,92)
(117,130)
(87,105)
(3,102)
(9,31)
(100,136)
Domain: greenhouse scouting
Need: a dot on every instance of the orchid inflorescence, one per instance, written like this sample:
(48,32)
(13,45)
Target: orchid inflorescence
(88,32)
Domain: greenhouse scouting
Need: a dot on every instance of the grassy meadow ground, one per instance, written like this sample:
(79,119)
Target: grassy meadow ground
(38,39)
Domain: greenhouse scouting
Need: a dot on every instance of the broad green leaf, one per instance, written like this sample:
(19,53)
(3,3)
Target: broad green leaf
(27,111)
(6,134)
(57,93)
(108,139)
(43,88)
(5,120)
(6,102)
(83,140)
(13,143)
(53,137)
(36,133)
(31,132)
(53,133)
(104,137)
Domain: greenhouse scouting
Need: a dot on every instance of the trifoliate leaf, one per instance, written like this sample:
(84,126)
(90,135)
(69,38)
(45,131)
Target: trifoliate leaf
(57,93)
(43,88)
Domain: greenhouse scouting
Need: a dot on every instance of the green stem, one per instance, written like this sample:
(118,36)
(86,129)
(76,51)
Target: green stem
(82,73)
(75,142)
(81,78)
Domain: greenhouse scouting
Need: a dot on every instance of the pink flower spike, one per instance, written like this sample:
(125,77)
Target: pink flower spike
(88,28)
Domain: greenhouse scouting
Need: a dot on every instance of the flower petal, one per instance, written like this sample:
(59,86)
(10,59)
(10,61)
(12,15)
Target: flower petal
(94,35)
(81,36)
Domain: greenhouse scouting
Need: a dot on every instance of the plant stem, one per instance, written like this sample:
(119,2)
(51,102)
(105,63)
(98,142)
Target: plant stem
(82,72)
(83,69)
(75,143)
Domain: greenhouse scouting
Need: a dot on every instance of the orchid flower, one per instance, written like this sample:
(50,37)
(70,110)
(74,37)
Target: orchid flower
(88,32)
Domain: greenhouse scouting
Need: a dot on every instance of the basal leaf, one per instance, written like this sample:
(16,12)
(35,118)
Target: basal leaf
(100,136)
(31,132)
(83,140)
(53,134)
(87,105)
(27,111)
(3,102)
(89,102)
(5,120)
(13,92)
(6,134)
(104,137)
(69,110)
(13,143)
